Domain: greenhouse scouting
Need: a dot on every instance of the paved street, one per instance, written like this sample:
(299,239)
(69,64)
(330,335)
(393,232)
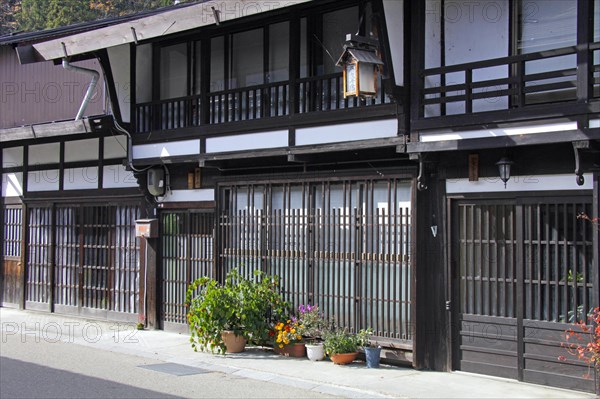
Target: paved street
(42,368)
(46,355)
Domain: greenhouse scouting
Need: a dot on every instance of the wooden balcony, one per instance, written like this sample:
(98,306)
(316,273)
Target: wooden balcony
(551,83)
(297,99)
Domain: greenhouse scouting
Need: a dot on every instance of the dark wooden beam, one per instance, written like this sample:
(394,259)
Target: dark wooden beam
(110,84)
(585,62)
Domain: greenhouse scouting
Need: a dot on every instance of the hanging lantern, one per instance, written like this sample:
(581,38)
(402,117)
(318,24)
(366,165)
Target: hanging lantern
(360,65)
(504,165)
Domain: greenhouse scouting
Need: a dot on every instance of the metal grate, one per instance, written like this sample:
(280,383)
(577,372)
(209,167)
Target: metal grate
(344,246)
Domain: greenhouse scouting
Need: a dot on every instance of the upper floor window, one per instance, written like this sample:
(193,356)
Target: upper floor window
(551,26)
(250,58)
(174,71)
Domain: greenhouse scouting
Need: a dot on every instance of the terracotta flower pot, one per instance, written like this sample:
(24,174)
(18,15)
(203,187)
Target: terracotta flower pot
(292,350)
(343,358)
(233,343)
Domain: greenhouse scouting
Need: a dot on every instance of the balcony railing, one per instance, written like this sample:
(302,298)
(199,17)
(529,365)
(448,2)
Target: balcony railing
(322,93)
(508,83)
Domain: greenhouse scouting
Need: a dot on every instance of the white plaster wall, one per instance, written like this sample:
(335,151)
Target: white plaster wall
(165,150)
(188,195)
(120,61)
(249,141)
(115,147)
(347,132)
(44,153)
(12,184)
(81,178)
(12,157)
(43,180)
(115,176)
(518,183)
(81,150)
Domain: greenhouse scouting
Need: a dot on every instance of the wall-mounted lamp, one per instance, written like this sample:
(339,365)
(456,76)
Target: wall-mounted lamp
(504,165)
(360,65)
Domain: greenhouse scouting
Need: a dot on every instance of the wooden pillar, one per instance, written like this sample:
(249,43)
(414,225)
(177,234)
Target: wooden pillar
(432,335)
(148,287)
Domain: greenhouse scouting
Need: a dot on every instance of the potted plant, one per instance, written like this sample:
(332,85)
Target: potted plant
(341,346)
(223,317)
(288,338)
(371,349)
(314,325)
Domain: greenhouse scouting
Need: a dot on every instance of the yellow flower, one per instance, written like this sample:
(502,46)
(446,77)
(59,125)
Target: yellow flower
(279,326)
(299,337)
(286,341)
(293,331)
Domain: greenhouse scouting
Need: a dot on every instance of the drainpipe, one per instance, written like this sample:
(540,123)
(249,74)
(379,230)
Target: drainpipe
(90,91)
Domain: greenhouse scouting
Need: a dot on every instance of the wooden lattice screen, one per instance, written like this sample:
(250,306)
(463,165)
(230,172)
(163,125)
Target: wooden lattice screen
(344,246)
(91,253)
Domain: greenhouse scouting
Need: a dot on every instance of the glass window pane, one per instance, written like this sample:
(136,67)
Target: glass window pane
(553,25)
(173,71)
(336,25)
(247,58)
(197,68)
(217,64)
(303,49)
(279,52)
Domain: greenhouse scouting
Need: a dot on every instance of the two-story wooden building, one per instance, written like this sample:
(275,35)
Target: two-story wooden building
(68,204)
(387,211)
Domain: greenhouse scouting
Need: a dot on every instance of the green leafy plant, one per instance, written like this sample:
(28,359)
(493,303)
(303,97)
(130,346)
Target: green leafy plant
(244,306)
(343,341)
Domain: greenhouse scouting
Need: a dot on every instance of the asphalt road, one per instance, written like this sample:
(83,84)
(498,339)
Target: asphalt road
(31,368)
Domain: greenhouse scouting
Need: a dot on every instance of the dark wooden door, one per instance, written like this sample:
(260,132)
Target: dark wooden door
(522,272)
(486,288)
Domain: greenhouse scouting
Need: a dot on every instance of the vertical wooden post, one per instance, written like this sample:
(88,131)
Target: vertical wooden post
(150,279)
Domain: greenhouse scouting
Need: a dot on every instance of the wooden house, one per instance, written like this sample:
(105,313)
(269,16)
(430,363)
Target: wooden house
(386,210)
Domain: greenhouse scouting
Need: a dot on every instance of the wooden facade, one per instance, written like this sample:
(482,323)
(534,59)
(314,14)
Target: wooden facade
(386,212)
